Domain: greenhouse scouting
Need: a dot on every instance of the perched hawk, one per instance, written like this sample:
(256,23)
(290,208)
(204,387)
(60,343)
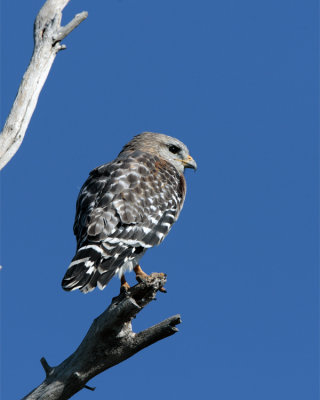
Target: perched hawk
(126,207)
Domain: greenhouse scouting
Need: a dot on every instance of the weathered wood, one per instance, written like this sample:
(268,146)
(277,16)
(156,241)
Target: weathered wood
(47,36)
(109,341)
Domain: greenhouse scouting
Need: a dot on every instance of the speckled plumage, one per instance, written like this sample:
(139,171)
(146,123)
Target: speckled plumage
(126,207)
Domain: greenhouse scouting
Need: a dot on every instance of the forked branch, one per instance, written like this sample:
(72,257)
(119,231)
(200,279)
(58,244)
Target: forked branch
(109,341)
(48,34)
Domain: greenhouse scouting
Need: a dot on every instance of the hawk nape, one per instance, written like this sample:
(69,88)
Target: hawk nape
(126,207)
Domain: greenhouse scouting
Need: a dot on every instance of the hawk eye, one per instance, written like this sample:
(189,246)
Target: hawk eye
(174,149)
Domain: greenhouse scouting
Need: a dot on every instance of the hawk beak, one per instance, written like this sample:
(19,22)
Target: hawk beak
(189,163)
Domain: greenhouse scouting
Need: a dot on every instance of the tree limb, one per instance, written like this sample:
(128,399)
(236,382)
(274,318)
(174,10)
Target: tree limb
(109,341)
(47,36)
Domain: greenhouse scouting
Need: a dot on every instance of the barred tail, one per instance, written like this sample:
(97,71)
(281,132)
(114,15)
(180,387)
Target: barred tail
(83,272)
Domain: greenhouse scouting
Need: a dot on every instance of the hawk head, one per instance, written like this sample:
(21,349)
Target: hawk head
(168,148)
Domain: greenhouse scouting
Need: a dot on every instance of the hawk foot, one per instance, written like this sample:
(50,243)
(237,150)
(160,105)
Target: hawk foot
(141,276)
(124,285)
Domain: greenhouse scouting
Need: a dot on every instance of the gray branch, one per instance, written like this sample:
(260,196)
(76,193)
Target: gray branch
(109,341)
(47,36)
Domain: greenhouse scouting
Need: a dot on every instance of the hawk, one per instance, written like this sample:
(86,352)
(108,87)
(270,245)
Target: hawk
(125,207)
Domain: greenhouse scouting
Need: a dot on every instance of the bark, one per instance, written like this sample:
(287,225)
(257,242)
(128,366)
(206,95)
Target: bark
(109,341)
(48,34)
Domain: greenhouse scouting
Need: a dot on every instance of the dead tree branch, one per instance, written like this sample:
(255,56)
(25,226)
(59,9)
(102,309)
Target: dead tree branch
(109,341)
(48,34)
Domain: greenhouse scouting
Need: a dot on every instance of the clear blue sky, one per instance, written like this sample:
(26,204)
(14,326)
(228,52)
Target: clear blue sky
(237,81)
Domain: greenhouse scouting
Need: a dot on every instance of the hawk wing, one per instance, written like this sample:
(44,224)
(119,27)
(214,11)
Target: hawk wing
(123,208)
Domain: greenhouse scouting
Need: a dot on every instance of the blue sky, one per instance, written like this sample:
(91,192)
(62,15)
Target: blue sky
(238,83)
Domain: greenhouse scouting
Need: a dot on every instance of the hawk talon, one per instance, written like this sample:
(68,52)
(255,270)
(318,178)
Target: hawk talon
(124,288)
(142,278)
(162,274)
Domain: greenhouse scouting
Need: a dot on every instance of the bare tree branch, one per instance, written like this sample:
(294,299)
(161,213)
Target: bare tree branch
(47,36)
(109,341)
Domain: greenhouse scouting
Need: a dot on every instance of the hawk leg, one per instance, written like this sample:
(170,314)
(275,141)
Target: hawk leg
(141,276)
(124,284)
